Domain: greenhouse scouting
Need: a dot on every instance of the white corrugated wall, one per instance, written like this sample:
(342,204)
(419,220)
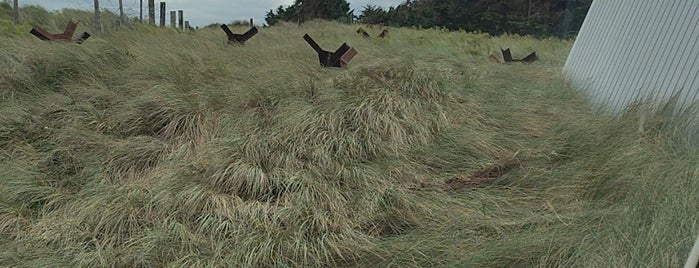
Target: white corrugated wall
(631,49)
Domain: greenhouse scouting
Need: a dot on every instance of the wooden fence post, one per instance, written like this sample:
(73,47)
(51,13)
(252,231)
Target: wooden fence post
(120,21)
(186,25)
(173,19)
(162,14)
(15,11)
(97,22)
(180,19)
(151,12)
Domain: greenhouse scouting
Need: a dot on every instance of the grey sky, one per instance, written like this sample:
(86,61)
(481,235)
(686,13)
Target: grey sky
(199,12)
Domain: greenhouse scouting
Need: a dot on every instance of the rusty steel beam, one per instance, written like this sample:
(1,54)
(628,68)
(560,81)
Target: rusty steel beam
(323,56)
(41,34)
(364,34)
(383,33)
(340,58)
(84,36)
(530,58)
(347,53)
(66,35)
(234,38)
(507,56)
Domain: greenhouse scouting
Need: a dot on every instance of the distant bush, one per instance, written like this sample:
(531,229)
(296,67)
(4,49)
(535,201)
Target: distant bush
(35,15)
(9,28)
(5,10)
(242,23)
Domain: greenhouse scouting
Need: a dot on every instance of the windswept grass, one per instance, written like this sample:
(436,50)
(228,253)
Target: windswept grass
(153,147)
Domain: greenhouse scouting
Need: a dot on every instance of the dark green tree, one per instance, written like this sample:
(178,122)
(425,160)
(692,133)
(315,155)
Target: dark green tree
(324,9)
(282,14)
(373,15)
(5,10)
(526,17)
(305,10)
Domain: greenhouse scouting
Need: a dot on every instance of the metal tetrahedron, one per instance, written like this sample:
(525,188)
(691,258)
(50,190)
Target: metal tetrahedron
(66,35)
(340,58)
(234,38)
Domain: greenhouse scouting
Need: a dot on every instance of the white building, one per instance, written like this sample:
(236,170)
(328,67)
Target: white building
(628,50)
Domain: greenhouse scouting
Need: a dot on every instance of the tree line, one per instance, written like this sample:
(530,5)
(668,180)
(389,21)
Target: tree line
(541,18)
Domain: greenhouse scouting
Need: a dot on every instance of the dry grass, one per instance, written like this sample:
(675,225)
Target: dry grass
(152,147)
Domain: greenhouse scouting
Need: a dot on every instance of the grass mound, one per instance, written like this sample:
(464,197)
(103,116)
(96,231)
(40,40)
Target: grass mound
(153,147)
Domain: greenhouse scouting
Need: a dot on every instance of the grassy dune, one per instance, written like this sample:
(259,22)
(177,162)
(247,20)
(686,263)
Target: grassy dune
(152,147)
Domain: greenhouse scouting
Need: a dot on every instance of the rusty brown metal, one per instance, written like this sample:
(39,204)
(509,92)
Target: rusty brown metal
(507,56)
(66,35)
(234,38)
(383,33)
(84,36)
(364,34)
(347,56)
(530,58)
(340,58)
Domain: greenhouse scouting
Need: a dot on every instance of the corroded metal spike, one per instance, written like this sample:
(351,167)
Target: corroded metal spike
(507,56)
(531,58)
(363,33)
(339,58)
(234,38)
(66,35)
(84,36)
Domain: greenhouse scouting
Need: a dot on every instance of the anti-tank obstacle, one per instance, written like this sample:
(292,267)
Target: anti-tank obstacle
(507,56)
(364,34)
(234,38)
(66,35)
(340,58)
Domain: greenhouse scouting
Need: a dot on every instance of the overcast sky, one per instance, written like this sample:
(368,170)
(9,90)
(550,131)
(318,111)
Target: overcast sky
(199,12)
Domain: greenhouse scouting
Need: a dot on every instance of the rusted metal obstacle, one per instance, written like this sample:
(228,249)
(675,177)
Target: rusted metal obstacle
(363,33)
(67,34)
(383,33)
(234,38)
(340,58)
(507,56)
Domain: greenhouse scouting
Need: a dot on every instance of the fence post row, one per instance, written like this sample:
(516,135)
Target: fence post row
(173,19)
(180,18)
(97,24)
(97,21)
(120,21)
(151,12)
(162,14)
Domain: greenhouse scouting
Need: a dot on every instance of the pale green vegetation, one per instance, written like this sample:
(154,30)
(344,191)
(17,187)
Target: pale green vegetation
(151,147)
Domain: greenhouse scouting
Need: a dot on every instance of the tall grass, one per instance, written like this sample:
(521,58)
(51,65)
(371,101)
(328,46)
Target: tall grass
(153,147)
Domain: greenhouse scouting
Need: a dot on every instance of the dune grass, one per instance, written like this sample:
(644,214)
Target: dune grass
(152,147)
